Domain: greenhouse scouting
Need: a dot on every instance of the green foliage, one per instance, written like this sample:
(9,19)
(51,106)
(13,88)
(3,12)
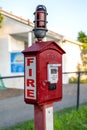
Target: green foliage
(1,19)
(28,125)
(75,80)
(82,37)
(67,119)
(71,119)
(85,46)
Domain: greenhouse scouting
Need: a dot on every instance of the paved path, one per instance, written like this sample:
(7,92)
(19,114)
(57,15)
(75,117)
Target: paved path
(14,110)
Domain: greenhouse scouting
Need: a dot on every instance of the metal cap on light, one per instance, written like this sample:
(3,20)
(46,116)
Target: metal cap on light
(40,22)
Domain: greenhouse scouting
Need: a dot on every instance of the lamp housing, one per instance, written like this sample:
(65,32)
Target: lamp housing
(40,22)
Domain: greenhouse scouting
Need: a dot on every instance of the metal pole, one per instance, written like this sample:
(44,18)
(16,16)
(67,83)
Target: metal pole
(78,89)
(43,117)
(7,77)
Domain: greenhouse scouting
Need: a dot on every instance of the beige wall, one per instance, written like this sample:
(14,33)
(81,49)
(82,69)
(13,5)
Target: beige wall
(4,56)
(70,59)
(8,45)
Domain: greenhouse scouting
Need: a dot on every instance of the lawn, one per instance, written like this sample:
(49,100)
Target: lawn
(67,119)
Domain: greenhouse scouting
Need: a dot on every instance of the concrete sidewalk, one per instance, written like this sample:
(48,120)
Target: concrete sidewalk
(15,110)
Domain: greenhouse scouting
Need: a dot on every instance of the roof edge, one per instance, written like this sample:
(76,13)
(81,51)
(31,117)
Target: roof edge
(72,41)
(10,15)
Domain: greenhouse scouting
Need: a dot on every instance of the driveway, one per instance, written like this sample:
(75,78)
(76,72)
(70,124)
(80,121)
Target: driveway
(14,110)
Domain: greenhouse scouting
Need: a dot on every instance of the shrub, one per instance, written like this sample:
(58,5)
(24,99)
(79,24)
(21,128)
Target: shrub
(75,80)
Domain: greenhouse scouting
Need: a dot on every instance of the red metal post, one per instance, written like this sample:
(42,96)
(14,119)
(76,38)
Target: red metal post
(43,117)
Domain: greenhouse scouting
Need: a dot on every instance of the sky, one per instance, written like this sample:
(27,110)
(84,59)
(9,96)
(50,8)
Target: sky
(65,17)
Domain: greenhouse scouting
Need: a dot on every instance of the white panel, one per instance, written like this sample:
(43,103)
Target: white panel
(49,118)
(30,87)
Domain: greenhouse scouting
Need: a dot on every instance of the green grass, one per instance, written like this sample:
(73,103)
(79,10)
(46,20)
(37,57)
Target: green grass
(67,119)
(70,119)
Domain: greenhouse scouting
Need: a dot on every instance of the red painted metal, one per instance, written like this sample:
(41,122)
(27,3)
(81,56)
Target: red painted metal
(40,116)
(45,53)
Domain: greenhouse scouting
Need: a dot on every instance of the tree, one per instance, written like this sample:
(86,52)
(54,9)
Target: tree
(1,19)
(82,37)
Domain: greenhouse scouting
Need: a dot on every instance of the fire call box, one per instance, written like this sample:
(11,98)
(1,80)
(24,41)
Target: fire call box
(43,73)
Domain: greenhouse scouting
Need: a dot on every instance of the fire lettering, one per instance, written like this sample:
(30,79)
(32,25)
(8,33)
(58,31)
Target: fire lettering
(30,72)
(30,93)
(30,82)
(30,78)
(29,60)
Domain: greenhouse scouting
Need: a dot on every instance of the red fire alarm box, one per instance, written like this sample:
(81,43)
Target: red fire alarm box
(43,73)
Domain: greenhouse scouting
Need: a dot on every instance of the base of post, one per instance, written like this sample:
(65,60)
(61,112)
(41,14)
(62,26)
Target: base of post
(43,117)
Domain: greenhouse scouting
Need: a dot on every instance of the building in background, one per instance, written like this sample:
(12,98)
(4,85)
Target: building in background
(15,35)
(72,58)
